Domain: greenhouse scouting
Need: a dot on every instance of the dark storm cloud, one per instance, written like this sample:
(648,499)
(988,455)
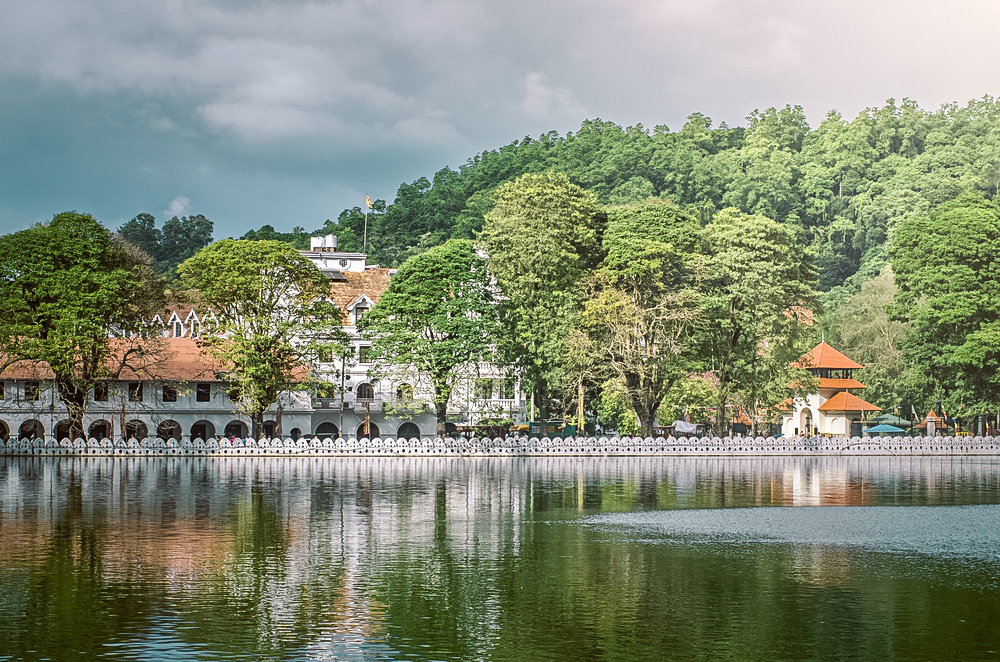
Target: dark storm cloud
(286,112)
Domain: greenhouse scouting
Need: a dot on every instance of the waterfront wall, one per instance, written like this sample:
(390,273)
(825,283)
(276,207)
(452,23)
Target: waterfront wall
(515,447)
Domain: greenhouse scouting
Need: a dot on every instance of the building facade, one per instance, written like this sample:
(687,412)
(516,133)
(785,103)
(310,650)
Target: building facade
(180,396)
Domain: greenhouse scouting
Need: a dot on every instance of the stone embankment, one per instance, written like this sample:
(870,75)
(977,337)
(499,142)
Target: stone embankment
(514,447)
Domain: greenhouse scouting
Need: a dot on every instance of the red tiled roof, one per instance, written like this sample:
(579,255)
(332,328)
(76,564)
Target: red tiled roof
(370,282)
(825,356)
(844,401)
(167,359)
(829,382)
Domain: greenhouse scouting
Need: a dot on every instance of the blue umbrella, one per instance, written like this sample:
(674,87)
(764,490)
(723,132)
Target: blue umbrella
(890,429)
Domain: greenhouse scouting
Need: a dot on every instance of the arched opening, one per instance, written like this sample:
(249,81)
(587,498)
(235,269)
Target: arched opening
(295,433)
(4,431)
(270,429)
(404,392)
(327,429)
(371,433)
(408,431)
(450,429)
(169,430)
(99,429)
(235,430)
(136,429)
(856,427)
(62,430)
(202,430)
(806,426)
(31,429)
(365,391)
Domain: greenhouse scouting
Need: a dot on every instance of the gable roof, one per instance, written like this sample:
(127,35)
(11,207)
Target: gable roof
(823,356)
(844,401)
(370,282)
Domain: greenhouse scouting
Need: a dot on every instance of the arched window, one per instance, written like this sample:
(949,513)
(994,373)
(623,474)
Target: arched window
(99,429)
(202,430)
(408,431)
(370,433)
(327,429)
(31,429)
(168,430)
(136,429)
(4,431)
(404,392)
(236,430)
(365,391)
(62,430)
(270,429)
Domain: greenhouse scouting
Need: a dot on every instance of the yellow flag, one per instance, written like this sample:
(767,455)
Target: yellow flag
(368,201)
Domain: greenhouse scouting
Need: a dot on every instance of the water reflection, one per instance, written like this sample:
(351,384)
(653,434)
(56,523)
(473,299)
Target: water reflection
(436,558)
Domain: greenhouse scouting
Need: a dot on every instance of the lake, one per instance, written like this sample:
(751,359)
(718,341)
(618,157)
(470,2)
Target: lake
(645,558)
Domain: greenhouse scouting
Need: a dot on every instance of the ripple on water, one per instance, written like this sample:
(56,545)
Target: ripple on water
(957,532)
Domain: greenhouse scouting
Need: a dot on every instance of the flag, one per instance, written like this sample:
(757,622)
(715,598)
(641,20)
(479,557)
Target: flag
(913,411)
(368,201)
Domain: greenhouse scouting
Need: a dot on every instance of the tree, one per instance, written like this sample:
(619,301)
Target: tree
(439,315)
(180,239)
(641,306)
(948,273)
(757,291)
(540,240)
(276,318)
(75,300)
(142,232)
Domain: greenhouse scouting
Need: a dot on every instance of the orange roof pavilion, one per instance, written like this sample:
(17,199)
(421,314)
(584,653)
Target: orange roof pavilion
(823,356)
(844,401)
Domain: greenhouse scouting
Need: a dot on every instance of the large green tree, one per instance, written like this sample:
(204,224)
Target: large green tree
(541,239)
(440,317)
(276,318)
(757,294)
(642,304)
(947,270)
(76,300)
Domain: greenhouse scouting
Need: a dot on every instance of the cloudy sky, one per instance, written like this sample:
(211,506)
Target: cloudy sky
(286,111)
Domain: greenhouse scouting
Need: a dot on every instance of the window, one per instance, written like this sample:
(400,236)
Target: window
(101,392)
(326,354)
(135,391)
(366,392)
(31,391)
(359,313)
(484,389)
(203,392)
(178,330)
(344,263)
(169,393)
(3,390)
(365,354)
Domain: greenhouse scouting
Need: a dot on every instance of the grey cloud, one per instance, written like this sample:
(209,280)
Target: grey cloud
(320,102)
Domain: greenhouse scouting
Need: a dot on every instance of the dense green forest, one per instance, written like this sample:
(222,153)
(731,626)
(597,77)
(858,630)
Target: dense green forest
(846,184)
(875,204)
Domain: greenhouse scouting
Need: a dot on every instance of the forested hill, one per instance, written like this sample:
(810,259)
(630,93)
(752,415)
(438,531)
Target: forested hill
(846,183)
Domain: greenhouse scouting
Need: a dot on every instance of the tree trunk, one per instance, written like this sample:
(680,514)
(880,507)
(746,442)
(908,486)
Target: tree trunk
(256,424)
(75,400)
(442,418)
(721,420)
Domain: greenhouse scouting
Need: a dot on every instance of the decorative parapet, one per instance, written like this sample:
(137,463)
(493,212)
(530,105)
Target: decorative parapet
(514,446)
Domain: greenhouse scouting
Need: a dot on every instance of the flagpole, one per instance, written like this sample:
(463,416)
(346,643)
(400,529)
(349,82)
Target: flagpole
(364,248)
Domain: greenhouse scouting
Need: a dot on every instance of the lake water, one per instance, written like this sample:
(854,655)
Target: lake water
(862,558)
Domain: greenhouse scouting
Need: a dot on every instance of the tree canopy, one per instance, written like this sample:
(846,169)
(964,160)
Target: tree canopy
(275,314)
(76,300)
(541,239)
(440,317)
